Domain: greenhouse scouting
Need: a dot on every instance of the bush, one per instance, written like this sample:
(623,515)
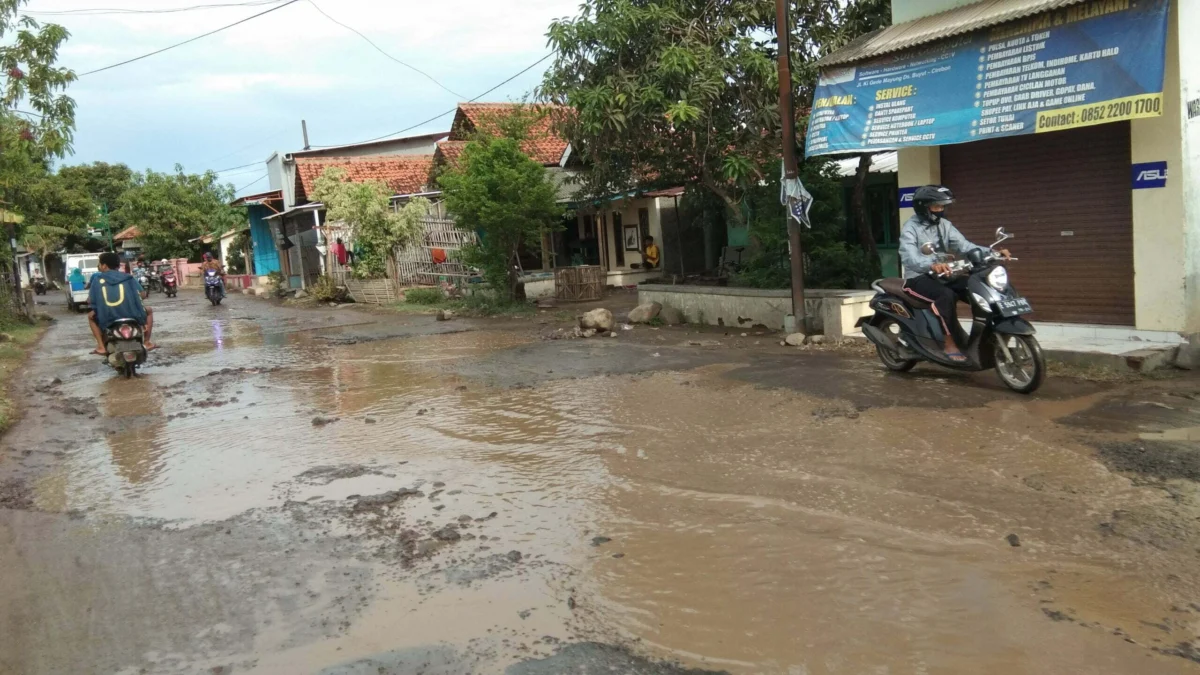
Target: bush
(424,296)
(325,289)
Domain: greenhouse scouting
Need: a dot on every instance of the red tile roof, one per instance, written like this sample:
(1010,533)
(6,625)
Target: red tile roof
(448,152)
(403,174)
(128,233)
(544,145)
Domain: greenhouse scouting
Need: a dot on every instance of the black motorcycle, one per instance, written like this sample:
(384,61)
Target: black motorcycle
(124,343)
(214,288)
(906,331)
(39,286)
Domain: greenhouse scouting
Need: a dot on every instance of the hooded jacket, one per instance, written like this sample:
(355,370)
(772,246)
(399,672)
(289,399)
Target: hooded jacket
(116,295)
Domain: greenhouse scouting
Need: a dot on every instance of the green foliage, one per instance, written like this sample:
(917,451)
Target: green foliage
(276,280)
(103,182)
(506,198)
(365,208)
(33,83)
(326,289)
(829,261)
(54,211)
(171,209)
(237,256)
(424,296)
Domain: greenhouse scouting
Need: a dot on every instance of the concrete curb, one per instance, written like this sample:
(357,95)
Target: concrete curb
(1140,361)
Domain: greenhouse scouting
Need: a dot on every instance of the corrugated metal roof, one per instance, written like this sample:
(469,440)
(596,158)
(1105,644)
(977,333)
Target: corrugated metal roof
(884,162)
(966,19)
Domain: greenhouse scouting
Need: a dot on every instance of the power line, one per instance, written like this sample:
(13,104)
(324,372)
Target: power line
(180,44)
(96,11)
(256,181)
(380,50)
(441,115)
(238,167)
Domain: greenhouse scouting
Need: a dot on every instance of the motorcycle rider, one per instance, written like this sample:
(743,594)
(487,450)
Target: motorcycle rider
(113,295)
(925,242)
(211,263)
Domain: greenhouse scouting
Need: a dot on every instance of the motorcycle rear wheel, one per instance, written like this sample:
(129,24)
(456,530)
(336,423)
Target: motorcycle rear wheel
(1026,372)
(890,358)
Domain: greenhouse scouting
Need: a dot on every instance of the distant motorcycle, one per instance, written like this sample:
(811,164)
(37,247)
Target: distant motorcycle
(124,343)
(214,288)
(170,285)
(39,285)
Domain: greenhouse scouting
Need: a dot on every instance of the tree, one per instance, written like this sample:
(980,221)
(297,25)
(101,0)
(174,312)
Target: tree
(103,182)
(365,209)
(37,120)
(170,210)
(54,212)
(506,198)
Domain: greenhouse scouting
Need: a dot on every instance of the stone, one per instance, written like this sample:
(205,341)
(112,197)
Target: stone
(448,534)
(672,316)
(1013,540)
(300,294)
(444,315)
(1188,355)
(590,332)
(795,339)
(247,291)
(644,313)
(261,291)
(815,340)
(599,320)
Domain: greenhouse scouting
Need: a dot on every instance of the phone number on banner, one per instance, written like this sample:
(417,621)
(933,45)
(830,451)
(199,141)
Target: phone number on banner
(1129,108)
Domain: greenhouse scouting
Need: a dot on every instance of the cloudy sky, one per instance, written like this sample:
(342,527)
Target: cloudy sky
(231,99)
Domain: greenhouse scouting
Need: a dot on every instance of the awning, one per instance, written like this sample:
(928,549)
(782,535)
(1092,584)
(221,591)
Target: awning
(261,198)
(884,162)
(939,26)
(315,206)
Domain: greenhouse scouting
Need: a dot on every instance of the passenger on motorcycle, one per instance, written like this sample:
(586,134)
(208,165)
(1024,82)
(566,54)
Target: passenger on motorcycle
(927,242)
(211,263)
(114,295)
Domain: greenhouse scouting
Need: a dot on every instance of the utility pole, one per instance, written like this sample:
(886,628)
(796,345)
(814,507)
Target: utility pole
(304,130)
(790,169)
(19,298)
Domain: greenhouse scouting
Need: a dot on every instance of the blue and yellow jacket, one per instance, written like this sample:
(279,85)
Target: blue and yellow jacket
(116,295)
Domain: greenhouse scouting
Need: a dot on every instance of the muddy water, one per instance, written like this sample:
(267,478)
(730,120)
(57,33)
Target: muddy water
(685,514)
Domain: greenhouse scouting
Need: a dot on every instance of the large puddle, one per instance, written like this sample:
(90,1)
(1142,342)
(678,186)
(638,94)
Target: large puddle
(734,528)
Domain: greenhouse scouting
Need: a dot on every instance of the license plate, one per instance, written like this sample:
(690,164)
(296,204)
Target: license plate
(1014,307)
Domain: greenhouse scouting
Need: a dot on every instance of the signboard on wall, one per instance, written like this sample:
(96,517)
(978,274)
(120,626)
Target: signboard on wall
(1149,175)
(1091,63)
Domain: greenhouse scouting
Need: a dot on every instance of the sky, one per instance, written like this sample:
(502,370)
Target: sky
(235,97)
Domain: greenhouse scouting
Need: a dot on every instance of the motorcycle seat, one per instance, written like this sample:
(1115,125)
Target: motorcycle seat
(895,286)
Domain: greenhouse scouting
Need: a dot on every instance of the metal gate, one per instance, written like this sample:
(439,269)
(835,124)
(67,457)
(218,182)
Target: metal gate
(1067,197)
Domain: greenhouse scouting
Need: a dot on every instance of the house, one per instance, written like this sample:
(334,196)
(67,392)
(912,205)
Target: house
(127,243)
(263,242)
(1073,124)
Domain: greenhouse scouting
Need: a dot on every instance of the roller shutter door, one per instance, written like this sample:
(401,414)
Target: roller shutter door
(1066,195)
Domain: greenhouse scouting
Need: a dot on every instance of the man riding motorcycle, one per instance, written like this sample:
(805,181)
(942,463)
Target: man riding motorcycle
(114,295)
(210,263)
(927,241)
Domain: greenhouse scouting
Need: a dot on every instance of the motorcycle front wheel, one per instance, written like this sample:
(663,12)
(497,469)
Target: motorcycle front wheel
(1020,363)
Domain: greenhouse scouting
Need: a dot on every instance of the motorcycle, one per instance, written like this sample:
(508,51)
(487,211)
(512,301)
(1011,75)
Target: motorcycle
(125,346)
(154,281)
(214,288)
(170,285)
(39,286)
(905,330)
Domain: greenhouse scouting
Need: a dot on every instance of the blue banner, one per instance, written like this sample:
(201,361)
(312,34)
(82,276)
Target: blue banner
(1149,175)
(1091,63)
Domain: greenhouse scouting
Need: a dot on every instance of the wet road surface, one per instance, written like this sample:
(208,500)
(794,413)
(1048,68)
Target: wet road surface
(333,491)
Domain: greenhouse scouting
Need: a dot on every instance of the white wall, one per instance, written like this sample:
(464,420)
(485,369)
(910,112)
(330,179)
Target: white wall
(1189,174)
(629,216)
(1159,243)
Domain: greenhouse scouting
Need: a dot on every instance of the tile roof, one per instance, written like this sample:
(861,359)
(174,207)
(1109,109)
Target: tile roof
(127,234)
(448,152)
(544,145)
(403,174)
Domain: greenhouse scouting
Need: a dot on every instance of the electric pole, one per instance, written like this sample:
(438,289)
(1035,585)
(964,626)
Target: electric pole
(790,169)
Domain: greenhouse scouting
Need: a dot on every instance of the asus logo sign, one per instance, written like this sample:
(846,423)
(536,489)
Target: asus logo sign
(906,197)
(1149,175)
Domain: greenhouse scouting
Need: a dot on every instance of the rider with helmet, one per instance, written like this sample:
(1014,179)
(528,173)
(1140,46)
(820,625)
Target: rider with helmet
(210,263)
(927,241)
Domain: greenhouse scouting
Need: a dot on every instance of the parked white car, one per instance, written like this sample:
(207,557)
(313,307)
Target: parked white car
(88,264)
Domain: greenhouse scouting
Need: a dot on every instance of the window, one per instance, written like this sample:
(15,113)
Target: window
(589,228)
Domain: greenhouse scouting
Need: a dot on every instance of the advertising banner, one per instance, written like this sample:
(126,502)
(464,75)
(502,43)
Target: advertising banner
(1091,63)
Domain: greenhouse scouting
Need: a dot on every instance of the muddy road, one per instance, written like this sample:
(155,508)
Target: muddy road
(338,492)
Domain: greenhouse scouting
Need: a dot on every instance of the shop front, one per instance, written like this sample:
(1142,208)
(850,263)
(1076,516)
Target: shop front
(1063,122)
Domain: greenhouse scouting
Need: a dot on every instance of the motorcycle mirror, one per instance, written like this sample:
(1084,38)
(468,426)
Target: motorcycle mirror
(1002,235)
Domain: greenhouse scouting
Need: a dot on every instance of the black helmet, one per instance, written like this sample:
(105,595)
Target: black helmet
(929,195)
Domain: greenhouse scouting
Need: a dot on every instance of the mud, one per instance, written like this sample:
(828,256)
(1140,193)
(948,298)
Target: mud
(491,501)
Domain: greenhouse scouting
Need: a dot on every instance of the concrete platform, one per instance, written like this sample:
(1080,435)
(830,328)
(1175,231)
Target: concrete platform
(1107,346)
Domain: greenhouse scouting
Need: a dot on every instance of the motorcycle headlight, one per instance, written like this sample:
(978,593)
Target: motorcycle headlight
(998,278)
